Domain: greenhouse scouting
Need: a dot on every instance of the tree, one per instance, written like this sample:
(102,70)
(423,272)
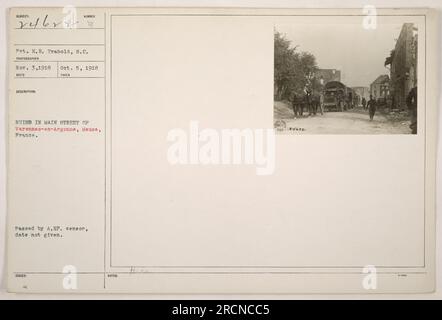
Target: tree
(294,71)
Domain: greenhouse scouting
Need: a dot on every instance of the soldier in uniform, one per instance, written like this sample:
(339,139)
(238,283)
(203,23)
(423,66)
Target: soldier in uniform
(308,102)
(321,103)
(371,105)
(412,107)
(364,103)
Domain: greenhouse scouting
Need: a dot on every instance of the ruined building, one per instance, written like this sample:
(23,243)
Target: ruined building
(403,65)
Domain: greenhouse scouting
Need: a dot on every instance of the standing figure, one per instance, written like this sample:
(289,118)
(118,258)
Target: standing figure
(321,103)
(371,105)
(412,107)
(308,102)
(364,103)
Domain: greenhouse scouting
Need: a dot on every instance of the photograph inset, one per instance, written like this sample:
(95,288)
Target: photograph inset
(344,79)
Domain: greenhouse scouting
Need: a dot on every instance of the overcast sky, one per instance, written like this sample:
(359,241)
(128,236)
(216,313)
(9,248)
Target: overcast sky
(359,54)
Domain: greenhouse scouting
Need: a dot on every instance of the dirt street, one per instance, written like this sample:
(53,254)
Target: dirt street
(354,121)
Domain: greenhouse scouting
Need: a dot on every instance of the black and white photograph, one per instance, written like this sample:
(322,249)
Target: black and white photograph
(346,78)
